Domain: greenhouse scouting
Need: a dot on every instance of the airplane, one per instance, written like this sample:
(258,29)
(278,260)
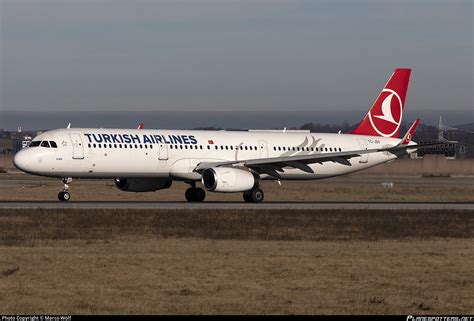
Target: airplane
(145,160)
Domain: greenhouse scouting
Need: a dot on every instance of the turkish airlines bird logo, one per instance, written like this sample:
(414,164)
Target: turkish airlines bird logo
(386,114)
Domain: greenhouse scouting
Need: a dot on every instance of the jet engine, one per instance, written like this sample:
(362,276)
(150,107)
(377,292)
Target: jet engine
(142,184)
(228,180)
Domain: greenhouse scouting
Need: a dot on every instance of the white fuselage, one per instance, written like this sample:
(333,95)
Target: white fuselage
(142,153)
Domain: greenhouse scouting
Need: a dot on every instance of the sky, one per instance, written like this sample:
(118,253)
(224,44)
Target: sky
(220,55)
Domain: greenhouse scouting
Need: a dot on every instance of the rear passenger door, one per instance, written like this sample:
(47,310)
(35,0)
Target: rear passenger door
(364,158)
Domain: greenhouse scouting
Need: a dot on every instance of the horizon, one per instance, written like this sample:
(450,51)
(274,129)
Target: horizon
(43,120)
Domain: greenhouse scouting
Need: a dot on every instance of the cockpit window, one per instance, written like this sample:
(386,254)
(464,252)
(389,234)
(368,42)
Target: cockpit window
(53,144)
(45,143)
(35,143)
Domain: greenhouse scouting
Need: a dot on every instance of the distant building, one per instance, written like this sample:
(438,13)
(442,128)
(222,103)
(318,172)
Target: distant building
(6,146)
(449,150)
(26,141)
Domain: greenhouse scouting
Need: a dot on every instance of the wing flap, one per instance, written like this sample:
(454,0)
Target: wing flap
(302,166)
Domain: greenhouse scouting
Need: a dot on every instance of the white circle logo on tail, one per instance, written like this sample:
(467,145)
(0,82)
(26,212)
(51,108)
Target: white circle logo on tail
(386,117)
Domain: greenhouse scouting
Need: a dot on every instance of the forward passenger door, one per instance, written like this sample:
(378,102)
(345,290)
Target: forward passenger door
(77,146)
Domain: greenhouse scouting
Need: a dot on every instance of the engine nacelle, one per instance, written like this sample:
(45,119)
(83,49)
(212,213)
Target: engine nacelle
(228,180)
(142,184)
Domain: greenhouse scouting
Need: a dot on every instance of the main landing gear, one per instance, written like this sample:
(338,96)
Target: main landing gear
(195,194)
(255,195)
(64,195)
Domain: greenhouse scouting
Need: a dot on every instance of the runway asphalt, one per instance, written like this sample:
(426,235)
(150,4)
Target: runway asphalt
(237,205)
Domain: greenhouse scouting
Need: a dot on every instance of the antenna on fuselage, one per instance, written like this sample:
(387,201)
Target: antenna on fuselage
(69,126)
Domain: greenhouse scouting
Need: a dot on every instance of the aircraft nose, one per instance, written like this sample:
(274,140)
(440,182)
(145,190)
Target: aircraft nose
(21,161)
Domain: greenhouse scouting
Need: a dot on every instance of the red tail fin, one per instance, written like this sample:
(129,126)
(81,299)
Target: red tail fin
(385,115)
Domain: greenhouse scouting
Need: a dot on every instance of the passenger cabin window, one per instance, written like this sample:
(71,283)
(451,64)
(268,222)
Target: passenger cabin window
(35,143)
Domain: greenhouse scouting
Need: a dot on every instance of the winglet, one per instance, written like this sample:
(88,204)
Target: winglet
(408,136)
(141,126)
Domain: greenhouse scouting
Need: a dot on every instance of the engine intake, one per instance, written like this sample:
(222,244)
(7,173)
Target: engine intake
(142,184)
(228,180)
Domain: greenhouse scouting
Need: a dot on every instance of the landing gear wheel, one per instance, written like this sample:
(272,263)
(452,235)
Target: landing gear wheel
(247,197)
(195,194)
(254,196)
(200,194)
(64,196)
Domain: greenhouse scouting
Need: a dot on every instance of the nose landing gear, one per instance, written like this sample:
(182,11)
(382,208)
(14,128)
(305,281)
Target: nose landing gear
(64,195)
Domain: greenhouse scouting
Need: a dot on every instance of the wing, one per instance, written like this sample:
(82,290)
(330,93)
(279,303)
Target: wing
(273,165)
